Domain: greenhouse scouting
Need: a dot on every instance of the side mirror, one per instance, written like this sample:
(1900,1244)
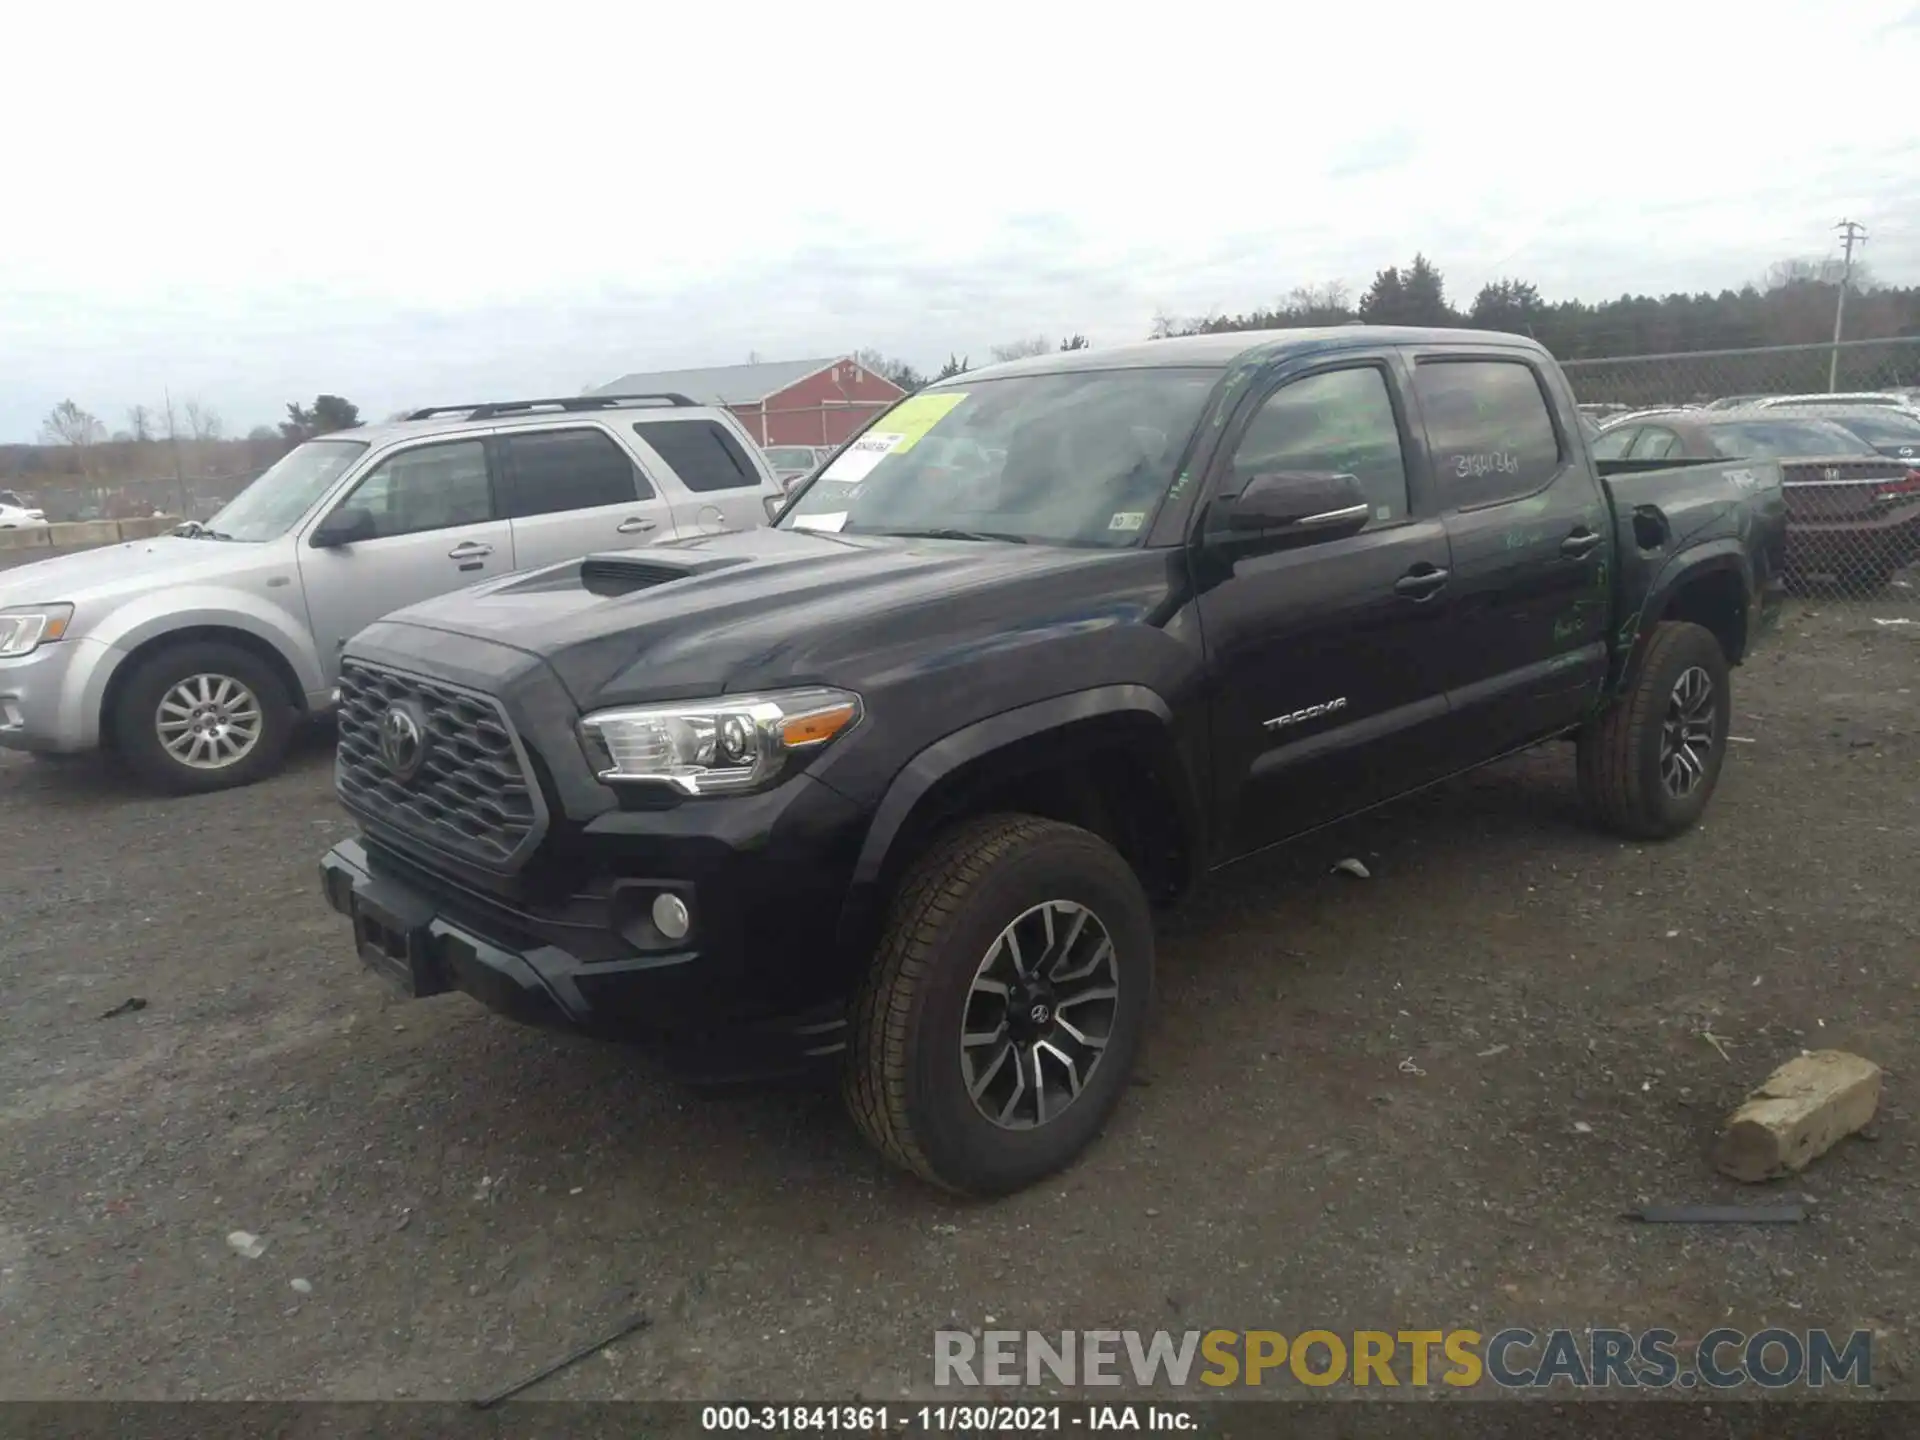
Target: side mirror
(1291,507)
(346,526)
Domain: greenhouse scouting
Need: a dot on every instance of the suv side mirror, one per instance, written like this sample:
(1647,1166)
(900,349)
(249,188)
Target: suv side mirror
(346,526)
(1295,507)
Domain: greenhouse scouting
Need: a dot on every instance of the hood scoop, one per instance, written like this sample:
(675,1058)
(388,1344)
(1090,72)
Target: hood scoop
(611,576)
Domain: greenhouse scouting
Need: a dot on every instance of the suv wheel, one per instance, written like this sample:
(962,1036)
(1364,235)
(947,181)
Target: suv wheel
(995,1031)
(1649,765)
(202,716)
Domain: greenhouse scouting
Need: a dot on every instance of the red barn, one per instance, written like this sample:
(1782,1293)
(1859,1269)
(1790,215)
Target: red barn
(783,402)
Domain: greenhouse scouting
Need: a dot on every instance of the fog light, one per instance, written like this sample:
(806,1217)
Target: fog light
(670,917)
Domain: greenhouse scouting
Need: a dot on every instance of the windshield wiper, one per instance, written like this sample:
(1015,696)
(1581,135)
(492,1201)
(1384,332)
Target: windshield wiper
(194,530)
(942,532)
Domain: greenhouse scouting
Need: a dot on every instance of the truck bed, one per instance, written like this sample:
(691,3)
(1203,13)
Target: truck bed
(1664,512)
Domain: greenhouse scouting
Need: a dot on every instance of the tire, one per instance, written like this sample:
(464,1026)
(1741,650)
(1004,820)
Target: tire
(1624,754)
(905,1083)
(136,718)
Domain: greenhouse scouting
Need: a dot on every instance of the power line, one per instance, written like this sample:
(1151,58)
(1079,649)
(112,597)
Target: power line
(1852,232)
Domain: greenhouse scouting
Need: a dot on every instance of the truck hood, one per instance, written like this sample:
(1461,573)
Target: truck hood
(763,608)
(132,567)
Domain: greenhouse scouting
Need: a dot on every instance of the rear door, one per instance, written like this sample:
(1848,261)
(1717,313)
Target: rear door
(438,526)
(574,490)
(725,489)
(1531,537)
(1322,657)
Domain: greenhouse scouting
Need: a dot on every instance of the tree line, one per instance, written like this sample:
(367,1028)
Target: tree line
(169,441)
(1792,304)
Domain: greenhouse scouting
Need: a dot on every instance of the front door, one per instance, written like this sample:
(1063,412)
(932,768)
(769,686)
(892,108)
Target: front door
(436,528)
(1324,684)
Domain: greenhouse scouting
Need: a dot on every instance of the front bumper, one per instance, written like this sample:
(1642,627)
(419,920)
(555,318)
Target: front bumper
(757,987)
(50,700)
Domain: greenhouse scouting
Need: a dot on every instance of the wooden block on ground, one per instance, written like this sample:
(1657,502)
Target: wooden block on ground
(1802,1110)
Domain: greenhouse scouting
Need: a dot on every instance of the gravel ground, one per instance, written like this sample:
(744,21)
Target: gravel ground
(1415,1101)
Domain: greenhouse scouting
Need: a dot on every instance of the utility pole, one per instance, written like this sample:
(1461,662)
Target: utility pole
(1852,233)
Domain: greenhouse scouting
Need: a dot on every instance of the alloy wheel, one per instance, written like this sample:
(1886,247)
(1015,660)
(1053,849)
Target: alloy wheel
(208,722)
(1039,1014)
(1686,736)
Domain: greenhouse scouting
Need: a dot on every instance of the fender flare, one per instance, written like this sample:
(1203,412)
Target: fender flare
(917,778)
(1719,556)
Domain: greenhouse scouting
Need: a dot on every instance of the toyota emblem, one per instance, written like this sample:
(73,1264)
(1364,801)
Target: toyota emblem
(403,740)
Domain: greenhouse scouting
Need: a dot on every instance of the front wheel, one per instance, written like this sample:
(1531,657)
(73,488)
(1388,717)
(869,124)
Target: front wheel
(995,1032)
(202,716)
(1649,765)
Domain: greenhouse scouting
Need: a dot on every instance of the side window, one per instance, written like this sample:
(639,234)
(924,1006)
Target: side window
(701,452)
(1613,444)
(1488,430)
(431,487)
(1340,420)
(1654,443)
(556,470)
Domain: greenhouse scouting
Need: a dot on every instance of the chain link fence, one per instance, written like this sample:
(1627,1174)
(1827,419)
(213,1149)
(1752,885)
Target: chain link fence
(1843,421)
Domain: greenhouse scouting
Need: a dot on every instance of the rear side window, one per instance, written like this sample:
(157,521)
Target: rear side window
(1488,430)
(556,470)
(1655,443)
(1612,444)
(701,452)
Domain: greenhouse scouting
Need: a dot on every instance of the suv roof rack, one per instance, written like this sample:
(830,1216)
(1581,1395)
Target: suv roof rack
(492,408)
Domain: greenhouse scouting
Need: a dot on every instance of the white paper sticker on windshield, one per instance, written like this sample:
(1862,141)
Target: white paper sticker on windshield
(862,455)
(829,522)
(1128,520)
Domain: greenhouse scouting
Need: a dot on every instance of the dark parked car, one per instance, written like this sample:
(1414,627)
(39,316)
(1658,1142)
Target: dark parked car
(895,784)
(1853,512)
(1890,432)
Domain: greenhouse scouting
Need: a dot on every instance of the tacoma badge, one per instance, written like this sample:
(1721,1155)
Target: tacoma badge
(1312,712)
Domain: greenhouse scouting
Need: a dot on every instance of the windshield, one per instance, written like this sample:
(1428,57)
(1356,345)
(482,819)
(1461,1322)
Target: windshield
(270,506)
(791,457)
(1887,427)
(1782,440)
(1075,459)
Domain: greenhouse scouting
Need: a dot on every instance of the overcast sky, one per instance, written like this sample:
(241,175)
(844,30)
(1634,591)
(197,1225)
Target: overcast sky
(256,203)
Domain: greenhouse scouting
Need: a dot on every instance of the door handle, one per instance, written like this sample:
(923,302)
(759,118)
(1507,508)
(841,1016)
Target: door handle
(635,525)
(1579,545)
(469,550)
(1421,584)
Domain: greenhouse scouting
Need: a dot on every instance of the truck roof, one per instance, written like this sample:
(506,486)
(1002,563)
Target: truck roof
(1229,347)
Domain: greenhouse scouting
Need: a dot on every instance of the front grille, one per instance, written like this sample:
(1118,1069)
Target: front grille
(472,795)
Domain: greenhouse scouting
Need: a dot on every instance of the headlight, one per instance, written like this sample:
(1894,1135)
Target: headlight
(717,747)
(22,630)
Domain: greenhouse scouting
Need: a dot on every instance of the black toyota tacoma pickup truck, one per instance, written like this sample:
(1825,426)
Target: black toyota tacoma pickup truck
(897,783)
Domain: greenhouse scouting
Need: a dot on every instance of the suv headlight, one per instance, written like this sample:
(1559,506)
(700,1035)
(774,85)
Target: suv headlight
(28,627)
(723,746)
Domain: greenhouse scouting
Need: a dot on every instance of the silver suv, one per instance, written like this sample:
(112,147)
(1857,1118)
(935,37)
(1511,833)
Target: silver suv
(192,656)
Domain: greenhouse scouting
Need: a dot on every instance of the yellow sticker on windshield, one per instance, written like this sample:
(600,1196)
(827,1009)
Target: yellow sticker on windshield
(914,416)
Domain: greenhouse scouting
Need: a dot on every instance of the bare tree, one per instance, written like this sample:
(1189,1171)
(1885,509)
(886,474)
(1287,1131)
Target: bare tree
(1800,270)
(68,424)
(202,421)
(1021,349)
(139,424)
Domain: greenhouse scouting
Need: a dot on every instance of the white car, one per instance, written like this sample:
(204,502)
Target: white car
(19,517)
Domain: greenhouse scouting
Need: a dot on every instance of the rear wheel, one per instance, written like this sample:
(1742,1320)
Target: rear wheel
(995,1032)
(202,716)
(1649,765)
